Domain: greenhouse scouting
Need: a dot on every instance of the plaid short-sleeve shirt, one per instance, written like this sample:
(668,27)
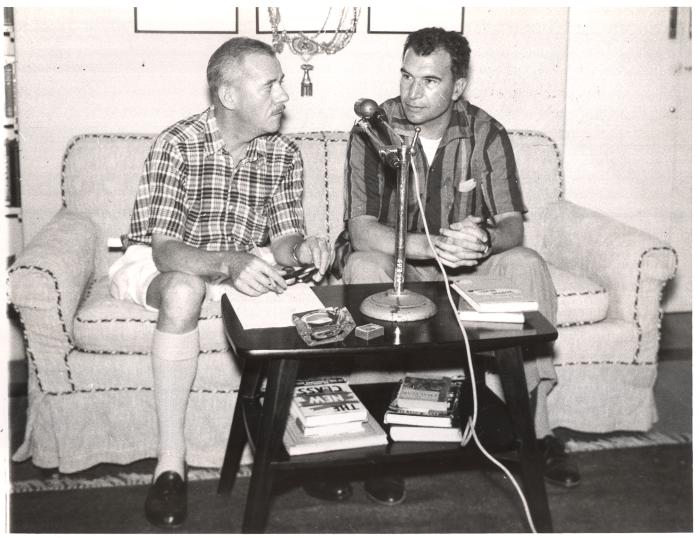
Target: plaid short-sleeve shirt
(473,172)
(192,190)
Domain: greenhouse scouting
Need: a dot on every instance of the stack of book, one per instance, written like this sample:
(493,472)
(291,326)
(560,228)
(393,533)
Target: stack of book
(426,409)
(492,300)
(325,415)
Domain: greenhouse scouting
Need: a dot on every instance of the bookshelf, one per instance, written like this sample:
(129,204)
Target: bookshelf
(13,211)
(12,172)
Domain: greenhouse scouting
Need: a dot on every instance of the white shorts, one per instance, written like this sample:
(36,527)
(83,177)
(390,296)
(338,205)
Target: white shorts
(132,274)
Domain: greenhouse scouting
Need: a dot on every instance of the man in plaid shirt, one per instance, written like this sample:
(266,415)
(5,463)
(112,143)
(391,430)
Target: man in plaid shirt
(469,185)
(215,188)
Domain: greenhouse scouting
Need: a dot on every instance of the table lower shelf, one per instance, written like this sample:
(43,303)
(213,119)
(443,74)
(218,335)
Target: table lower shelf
(493,428)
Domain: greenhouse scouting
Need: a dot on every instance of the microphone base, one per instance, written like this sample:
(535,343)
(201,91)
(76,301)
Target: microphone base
(392,306)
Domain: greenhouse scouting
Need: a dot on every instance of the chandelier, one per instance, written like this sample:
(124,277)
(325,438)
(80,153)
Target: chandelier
(309,46)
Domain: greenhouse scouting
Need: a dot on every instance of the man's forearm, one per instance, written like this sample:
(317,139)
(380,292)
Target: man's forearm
(174,255)
(371,235)
(507,234)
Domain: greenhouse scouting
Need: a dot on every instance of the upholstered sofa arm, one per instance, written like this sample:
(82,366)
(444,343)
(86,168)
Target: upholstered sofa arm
(45,285)
(632,265)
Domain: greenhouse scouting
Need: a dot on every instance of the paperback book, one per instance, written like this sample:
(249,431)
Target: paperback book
(451,424)
(494,295)
(330,429)
(297,443)
(422,433)
(320,402)
(395,414)
(424,393)
(467,313)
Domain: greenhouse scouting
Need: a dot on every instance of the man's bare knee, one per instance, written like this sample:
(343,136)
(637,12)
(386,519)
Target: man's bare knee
(181,297)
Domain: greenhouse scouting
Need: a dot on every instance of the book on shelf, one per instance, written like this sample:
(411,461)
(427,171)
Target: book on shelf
(10,90)
(494,295)
(297,443)
(424,392)
(450,428)
(330,429)
(428,434)
(395,414)
(319,402)
(467,313)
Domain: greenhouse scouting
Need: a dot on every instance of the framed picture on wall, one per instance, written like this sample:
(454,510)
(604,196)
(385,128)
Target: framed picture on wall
(186,19)
(384,19)
(305,18)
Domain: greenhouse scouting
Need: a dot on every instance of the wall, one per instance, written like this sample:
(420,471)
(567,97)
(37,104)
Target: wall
(85,70)
(628,125)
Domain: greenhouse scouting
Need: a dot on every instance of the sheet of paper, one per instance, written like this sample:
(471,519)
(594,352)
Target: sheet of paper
(270,309)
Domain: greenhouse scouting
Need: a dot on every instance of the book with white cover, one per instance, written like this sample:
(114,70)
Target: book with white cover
(422,433)
(296,442)
(330,429)
(467,313)
(494,295)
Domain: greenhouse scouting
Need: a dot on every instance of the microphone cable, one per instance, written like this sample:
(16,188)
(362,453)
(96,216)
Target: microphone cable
(470,427)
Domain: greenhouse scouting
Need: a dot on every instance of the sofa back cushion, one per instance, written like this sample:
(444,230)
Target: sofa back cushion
(101,171)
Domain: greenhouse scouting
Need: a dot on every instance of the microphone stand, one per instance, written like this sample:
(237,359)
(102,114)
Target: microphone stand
(397,304)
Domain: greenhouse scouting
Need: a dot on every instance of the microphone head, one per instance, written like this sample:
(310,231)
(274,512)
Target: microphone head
(366,108)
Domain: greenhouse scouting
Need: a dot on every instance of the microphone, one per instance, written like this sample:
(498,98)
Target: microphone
(367,108)
(374,123)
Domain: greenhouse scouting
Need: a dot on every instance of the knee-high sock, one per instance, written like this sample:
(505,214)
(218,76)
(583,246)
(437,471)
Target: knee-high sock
(174,361)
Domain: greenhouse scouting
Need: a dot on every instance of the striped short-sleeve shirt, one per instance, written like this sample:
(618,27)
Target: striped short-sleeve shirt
(192,190)
(473,172)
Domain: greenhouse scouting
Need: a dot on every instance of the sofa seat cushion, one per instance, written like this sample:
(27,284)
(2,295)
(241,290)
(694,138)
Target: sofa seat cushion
(104,324)
(579,301)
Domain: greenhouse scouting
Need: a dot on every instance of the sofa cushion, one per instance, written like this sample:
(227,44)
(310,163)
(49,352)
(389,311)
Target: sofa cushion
(104,324)
(579,301)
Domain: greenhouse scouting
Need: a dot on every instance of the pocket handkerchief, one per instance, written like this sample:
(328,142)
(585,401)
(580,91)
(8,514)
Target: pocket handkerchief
(466,185)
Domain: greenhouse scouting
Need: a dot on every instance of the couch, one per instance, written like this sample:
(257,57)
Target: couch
(90,394)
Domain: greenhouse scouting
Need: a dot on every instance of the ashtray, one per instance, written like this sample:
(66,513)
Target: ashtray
(324,325)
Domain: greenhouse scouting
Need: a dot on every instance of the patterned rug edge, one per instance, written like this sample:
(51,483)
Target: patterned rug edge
(62,483)
(627,440)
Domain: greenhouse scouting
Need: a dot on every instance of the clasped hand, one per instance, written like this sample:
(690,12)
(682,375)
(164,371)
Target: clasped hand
(463,244)
(254,276)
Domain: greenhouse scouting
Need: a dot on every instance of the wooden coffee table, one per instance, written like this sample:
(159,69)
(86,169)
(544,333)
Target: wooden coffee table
(275,353)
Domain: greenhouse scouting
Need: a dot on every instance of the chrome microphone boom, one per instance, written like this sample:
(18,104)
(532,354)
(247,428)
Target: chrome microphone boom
(397,304)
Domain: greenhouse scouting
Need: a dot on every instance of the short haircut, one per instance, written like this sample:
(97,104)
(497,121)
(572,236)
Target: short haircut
(427,40)
(228,56)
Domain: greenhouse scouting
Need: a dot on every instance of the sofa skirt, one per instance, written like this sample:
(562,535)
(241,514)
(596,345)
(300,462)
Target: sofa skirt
(75,431)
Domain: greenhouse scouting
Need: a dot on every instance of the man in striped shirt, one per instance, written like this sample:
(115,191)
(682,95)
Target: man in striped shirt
(215,188)
(468,184)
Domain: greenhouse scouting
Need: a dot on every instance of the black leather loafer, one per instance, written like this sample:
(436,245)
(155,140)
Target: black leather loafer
(329,491)
(560,468)
(166,502)
(386,490)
